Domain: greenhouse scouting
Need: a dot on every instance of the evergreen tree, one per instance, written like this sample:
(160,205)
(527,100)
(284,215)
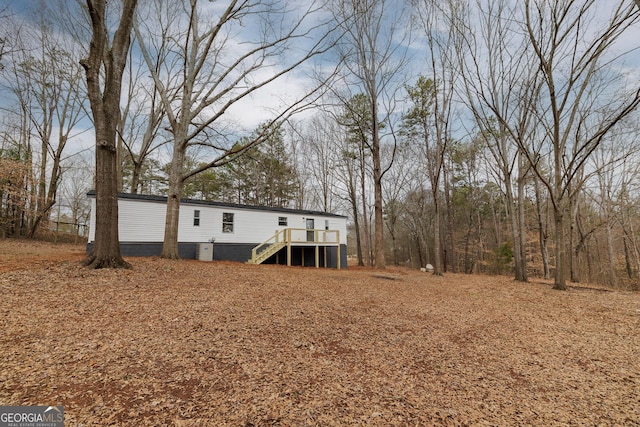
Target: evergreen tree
(263,176)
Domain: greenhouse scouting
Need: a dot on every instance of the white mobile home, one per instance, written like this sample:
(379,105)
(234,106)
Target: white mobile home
(238,232)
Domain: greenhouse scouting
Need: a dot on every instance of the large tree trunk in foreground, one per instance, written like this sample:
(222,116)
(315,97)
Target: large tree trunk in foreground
(105,107)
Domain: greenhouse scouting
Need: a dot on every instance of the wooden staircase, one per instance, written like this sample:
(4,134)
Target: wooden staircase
(305,238)
(268,248)
(266,253)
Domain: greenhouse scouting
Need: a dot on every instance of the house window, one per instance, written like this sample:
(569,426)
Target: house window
(227,222)
(282,220)
(196,218)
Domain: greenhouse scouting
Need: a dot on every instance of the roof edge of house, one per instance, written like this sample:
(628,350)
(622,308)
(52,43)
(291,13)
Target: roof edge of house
(152,198)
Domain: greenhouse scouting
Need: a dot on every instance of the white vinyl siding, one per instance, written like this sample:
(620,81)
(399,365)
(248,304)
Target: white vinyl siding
(141,222)
(144,220)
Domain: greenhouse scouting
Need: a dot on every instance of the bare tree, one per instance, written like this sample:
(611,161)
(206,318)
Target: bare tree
(58,97)
(45,81)
(15,181)
(606,177)
(20,196)
(416,224)
(374,51)
(104,68)
(563,106)
(432,104)
(210,69)
(615,170)
(501,89)
(470,198)
(419,124)
(139,129)
(350,171)
(580,109)
(74,189)
(542,217)
(320,158)
(6,34)
(356,121)
(395,190)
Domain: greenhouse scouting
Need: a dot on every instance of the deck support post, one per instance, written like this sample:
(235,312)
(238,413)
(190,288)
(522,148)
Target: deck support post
(288,247)
(277,242)
(339,258)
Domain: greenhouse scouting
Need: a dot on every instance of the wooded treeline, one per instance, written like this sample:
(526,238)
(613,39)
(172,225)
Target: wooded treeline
(487,136)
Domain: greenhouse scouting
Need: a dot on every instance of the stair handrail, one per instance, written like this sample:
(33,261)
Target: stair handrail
(271,240)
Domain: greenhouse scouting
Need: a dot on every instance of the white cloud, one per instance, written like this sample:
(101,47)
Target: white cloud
(267,102)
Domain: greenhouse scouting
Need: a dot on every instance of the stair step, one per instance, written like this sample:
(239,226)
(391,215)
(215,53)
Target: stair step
(266,253)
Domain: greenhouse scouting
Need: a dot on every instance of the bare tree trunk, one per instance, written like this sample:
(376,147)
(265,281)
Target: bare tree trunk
(356,225)
(522,229)
(135,177)
(394,248)
(421,251)
(170,245)
(49,199)
(467,244)
(353,199)
(560,280)
(380,261)
(450,243)
(119,152)
(481,240)
(633,258)
(512,214)
(630,231)
(105,107)
(613,280)
(542,232)
(574,206)
(437,236)
(365,215)
(627,256)
(41,201)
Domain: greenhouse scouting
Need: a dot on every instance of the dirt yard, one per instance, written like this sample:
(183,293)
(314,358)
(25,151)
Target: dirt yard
(191,343)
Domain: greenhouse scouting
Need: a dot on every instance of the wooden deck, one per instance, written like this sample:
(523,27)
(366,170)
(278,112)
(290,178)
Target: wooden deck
(297,237)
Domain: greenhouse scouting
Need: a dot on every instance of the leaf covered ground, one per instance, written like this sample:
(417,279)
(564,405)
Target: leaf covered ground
(190,343)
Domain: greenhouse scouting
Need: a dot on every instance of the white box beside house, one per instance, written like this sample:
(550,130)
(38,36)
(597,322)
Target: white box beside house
(204,251)
(235,229)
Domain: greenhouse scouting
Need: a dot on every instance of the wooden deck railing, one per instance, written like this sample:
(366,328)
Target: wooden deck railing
(295,236)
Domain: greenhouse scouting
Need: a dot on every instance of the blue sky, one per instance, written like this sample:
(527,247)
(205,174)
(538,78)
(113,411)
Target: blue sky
(259,106)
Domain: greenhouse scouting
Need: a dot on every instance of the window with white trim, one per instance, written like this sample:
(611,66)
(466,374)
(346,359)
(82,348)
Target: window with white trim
(282,220)
(227,222)
(196,218)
